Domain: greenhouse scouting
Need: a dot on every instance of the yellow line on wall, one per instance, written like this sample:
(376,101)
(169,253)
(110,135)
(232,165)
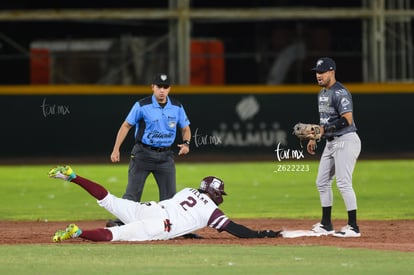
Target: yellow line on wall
(371,88)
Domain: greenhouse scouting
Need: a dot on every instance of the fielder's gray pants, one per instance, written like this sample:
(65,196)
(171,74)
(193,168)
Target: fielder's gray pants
(338,159)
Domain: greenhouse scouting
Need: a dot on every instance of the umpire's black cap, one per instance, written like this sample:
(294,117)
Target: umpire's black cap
(324,64)
(161,79)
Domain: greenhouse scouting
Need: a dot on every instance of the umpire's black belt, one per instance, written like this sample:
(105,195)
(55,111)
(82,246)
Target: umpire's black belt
(157,149)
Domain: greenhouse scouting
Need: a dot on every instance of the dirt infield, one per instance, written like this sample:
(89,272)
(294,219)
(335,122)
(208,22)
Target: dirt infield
(380,235)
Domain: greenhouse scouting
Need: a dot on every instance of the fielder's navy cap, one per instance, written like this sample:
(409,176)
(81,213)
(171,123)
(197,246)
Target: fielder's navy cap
(161,79)
(324,64)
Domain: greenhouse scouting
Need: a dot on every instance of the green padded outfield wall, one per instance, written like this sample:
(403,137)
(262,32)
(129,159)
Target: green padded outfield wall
(82,121)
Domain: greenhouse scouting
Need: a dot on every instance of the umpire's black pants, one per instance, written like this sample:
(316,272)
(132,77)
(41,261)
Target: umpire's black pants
(145,161)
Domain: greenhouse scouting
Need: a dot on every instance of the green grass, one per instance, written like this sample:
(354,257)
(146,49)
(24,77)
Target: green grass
(385,191)
(199,259)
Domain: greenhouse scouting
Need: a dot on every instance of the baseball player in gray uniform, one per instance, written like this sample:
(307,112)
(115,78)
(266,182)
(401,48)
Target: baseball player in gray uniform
(341,150)
(188,210)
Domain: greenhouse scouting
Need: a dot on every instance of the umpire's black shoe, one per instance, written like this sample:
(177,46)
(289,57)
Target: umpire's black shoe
(112,223)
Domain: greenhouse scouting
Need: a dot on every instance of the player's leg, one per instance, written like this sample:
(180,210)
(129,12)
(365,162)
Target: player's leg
(142,222)
(165,176)
(96,190)
(149,224)
(73,231)
(67,173)
(126,210)
(345,158)
(144,230)
(129,211)
(138,172)
(324,180)
(348,150)
(152,229)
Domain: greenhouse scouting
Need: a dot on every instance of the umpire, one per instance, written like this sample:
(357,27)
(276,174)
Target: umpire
(156,119)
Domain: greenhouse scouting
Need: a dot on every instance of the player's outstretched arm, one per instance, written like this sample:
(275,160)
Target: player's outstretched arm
(242,231)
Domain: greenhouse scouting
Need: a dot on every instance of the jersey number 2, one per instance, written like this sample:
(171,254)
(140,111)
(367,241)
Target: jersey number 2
(190,202)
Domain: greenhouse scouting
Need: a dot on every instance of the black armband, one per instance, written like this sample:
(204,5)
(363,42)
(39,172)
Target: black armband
(336,125)
(240,231)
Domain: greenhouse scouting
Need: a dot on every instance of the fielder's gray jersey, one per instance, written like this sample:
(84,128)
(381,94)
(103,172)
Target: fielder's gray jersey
(332,104)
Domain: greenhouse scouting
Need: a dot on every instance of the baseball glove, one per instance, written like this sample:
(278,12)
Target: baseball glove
(307,131)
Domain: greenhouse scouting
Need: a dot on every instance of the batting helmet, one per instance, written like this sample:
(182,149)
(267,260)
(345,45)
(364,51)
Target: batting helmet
(214,187)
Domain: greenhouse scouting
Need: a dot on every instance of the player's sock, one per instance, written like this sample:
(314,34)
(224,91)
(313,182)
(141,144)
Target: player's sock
(97,235)
(93,188)
(352,219)
(326,215)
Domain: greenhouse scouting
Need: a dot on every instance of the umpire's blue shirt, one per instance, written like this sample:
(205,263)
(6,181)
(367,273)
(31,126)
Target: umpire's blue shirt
(154,125)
